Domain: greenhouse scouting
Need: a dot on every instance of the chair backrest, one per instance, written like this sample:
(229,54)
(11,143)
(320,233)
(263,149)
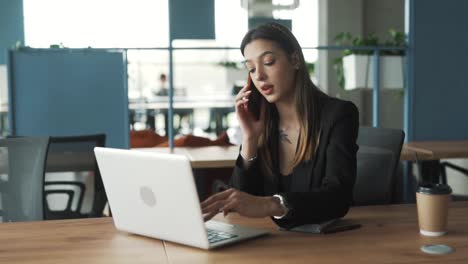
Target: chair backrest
(22,167)
(377,161)
(73,153)
(76,154)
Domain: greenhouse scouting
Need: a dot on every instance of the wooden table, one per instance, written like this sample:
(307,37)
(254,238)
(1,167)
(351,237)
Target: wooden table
(431,152)
(389,234)
(204,157)
(436,150)
(93,240)
(209,164)
(411,154)
(225,157)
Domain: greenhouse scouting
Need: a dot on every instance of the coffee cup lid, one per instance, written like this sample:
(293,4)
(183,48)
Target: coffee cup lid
(431,188)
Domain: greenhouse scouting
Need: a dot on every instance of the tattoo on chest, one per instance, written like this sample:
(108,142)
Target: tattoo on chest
(284,136)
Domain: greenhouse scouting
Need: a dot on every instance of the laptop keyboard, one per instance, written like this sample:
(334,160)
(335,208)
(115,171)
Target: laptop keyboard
(217,236)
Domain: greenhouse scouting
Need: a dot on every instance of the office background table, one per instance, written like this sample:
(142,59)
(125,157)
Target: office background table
(203,157)
(431,152)
(205,160)
(185,105)
(389,234)
(212,165)
(183,102)
(412,154)
(440,149)
(225,157)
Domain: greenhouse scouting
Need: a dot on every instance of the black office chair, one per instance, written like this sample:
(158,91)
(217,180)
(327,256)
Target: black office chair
(377,161)
(181,114)
(74,154)
(443,177)
(218,120)
(22,168)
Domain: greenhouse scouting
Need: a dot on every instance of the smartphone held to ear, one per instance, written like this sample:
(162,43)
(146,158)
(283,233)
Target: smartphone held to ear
(255,99)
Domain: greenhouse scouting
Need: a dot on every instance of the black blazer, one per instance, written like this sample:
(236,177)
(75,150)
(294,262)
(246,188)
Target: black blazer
(321,188)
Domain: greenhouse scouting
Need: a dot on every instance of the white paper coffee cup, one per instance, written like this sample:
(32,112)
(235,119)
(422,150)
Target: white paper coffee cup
(433,202)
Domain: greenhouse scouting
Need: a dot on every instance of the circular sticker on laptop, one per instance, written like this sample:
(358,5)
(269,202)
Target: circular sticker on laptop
(147,196)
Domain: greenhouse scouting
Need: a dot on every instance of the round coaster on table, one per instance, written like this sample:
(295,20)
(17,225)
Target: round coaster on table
(437,249)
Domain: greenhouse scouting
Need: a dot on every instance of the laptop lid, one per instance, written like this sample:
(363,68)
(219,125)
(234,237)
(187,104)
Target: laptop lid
(152,194)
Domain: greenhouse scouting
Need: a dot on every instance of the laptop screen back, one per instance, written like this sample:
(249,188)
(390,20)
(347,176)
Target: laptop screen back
(152,194)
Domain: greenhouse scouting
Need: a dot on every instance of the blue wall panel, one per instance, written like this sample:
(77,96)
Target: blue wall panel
(255,21)
(69,92)
(192,19)
(11,26)
(439,41)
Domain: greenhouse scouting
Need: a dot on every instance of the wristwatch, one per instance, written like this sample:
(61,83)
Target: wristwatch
(283,204)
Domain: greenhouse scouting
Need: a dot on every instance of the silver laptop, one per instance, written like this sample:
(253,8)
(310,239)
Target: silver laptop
(154,195)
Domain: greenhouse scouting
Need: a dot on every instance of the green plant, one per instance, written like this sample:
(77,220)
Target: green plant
(57,46)
(396,39)
(240,65)
(311,67)
(231,64)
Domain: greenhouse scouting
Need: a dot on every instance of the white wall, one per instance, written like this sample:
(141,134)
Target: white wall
(3,84)
(335,16)
(360,17)
(381,15)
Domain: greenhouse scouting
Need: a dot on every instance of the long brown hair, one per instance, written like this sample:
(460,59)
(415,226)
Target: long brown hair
(307,97)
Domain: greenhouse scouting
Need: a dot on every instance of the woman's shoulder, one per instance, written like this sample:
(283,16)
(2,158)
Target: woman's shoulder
(333,108)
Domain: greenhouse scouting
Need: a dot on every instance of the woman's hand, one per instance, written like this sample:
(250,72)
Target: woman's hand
(233,200)
(251,128)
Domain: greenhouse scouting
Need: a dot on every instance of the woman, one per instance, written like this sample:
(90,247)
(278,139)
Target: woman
(297,161)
